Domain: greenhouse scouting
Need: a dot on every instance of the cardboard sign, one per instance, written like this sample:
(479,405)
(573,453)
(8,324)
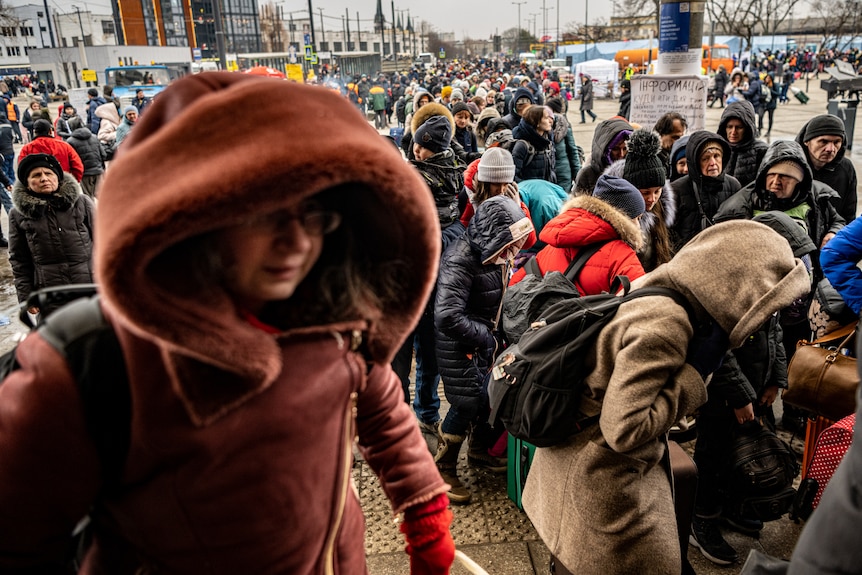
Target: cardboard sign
(653,96)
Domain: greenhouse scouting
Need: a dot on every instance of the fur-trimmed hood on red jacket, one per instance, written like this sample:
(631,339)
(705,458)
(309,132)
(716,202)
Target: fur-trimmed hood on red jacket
(586,220)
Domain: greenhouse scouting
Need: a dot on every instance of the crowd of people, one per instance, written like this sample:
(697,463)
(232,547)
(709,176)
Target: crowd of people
(251,281)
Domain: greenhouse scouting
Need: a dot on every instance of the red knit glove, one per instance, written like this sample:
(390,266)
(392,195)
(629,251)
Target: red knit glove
(429,543)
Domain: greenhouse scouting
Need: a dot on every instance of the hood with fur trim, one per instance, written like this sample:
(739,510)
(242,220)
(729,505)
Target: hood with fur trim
(201,187)
(751,257)
(585,220)
(32,204)
(421,115)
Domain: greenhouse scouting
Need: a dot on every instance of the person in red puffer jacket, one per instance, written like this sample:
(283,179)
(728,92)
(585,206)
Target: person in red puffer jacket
(608,216)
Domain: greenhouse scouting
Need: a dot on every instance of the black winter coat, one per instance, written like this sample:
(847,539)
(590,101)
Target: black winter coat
(839,174)
(50,238)
(542,164)
(469,293)
(746,156)
(821,217)
(693,216)
(90,149)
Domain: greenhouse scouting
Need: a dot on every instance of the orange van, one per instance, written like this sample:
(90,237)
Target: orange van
(713,57)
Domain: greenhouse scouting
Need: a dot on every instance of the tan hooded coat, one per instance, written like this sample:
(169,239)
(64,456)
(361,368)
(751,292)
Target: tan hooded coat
(602,502)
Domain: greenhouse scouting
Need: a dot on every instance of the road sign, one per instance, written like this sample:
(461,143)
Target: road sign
(89,76)
(196,54)
(442,54)
(306,39)
(291,50)
(314,59)
(308,51)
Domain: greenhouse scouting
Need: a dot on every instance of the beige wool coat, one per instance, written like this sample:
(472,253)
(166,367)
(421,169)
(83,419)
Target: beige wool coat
(602,502)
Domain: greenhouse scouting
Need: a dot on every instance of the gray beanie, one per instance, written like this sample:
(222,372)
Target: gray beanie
(620,194)
(435,134)
(456,94)
(128,109)
(497,166)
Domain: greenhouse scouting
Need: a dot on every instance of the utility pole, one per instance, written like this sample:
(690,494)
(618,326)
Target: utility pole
(358,33)
(347,22)
(394,40)
(311,23)
(557,35)
(81,48)
(50,28)
(219,33)
(322,27)
(518,28)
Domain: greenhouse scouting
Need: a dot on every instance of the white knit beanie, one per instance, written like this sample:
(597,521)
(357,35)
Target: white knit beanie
(496,166)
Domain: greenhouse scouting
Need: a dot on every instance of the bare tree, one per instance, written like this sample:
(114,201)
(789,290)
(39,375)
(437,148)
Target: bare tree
(838,20)
(632,8)
(745,18)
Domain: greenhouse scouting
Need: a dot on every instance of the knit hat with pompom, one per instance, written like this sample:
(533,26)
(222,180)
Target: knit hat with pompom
(643,167)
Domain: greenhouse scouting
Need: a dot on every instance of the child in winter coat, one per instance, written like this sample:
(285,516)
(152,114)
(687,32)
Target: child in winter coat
(464,127)
(470,288)
(258,294)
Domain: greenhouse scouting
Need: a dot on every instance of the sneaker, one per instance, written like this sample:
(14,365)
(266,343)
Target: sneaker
(745,525)
(487,461)
(706,536)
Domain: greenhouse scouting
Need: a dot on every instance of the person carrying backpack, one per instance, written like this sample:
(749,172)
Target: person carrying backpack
(257,302)
(602,501)
(470,288)
(608,217)
(534,154)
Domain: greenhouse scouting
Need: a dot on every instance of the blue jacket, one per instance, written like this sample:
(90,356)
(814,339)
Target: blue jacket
(838,260)
(94,121)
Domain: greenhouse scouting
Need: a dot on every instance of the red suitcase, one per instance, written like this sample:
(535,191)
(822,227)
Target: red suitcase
(831,447)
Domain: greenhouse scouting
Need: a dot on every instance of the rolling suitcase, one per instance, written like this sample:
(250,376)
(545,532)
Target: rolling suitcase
(799,95)
(827,454)
(519,455)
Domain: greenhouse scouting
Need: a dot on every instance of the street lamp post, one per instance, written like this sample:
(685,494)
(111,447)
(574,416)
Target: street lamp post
(518,27)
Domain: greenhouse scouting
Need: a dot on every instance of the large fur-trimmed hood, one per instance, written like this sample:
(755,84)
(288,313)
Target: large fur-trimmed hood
(427,111)
(200,188)
(585,219)
(32,205)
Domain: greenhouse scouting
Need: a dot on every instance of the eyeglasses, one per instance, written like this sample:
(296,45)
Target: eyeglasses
(315,221)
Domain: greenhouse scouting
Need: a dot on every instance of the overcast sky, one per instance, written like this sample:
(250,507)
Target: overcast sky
(474,18)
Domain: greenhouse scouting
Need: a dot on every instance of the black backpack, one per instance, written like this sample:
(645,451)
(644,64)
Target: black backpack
(536,385)
(79,332)
(762,470)
(525,301)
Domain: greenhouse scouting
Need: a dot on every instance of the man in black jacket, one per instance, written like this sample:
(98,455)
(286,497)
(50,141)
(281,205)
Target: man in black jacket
(822,139)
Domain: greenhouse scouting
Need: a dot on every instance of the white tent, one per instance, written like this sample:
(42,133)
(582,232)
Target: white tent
(605,75)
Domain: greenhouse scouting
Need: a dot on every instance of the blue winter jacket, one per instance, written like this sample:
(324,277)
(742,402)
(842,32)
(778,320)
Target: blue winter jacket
(838,260)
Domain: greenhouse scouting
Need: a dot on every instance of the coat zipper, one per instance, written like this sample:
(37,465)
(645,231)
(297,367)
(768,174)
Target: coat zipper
(347,465)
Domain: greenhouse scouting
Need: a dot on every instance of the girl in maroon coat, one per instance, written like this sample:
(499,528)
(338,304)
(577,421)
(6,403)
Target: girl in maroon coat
(258,293)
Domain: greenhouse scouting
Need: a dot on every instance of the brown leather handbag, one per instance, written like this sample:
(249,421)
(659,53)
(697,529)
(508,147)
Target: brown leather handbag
(823,379)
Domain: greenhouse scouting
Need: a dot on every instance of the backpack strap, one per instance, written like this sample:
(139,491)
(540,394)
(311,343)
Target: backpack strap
(532,267)
(573,271)
(81,334)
